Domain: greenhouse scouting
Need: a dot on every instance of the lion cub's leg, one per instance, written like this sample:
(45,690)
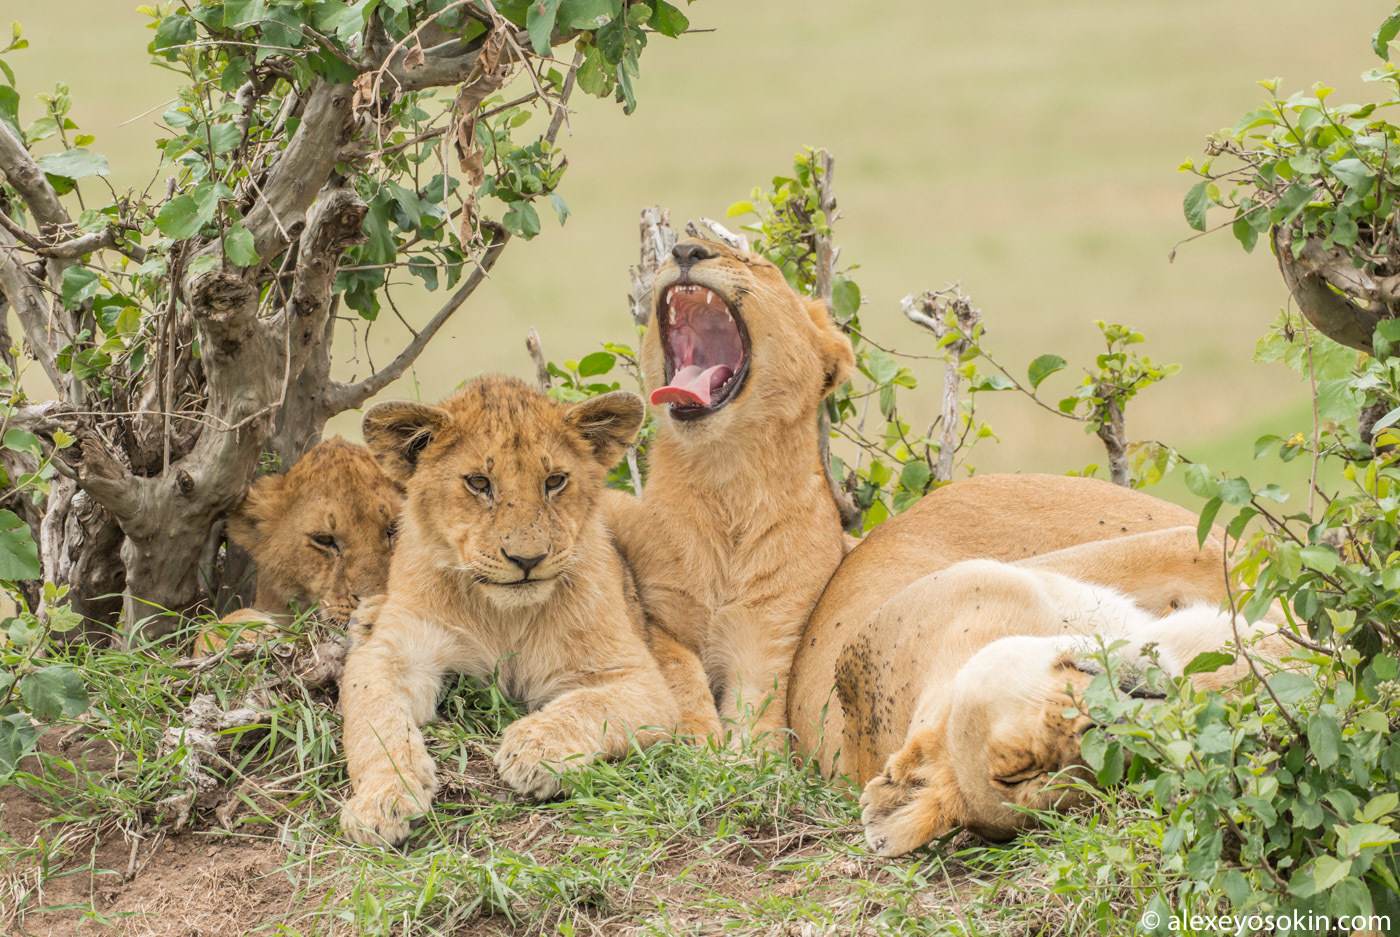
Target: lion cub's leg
(390,687)
(752,648)
(632,705)
(689,685)
(248,624)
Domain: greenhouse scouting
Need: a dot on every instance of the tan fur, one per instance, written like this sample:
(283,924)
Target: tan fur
(736,534)
(939,681)
(568,643)
(334,492)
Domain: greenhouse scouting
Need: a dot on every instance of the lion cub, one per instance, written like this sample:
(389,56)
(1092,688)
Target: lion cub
(321,534)
(504,564)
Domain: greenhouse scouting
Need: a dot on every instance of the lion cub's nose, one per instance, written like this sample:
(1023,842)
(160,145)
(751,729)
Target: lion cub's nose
(526,563)
(688,253)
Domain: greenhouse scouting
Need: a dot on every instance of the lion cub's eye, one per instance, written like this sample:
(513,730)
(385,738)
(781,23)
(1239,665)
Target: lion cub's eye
(556,481)
(324,540)
(479,483)
(391,531)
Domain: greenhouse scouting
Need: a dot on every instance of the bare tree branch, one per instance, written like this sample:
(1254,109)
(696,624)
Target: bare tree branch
(1315,277)
(346,396)
(26,295)
(657,238)
(532,345)
(931,310)
(28,179)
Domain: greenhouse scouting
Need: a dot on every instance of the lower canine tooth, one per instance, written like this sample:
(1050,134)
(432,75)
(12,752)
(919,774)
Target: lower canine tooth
(709,297)
(673,317)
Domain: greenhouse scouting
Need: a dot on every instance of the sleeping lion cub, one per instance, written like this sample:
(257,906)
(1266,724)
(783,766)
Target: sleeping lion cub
(504,564)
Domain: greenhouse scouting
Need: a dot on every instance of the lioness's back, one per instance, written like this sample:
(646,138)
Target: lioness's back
(980,517)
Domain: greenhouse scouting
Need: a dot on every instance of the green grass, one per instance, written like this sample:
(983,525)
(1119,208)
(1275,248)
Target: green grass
(674,840)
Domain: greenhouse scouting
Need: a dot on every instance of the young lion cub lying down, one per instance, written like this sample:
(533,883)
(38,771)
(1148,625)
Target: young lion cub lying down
(504,564)
(986,732)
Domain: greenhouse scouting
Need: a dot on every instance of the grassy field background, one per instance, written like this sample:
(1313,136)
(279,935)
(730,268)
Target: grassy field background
(1028,150)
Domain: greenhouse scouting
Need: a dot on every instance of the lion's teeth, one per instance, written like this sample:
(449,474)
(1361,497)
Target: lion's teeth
(673,316)
(709,298)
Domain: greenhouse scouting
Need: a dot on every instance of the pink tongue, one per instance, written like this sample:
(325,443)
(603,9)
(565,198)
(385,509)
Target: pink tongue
(691,385)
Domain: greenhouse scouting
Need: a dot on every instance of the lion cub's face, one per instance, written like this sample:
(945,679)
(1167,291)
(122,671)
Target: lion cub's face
(731,345)
(501,479)
(322,533)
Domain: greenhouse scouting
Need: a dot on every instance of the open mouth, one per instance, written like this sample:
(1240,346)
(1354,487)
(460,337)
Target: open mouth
(706,346)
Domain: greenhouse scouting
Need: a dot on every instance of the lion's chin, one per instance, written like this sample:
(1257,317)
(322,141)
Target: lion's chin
(518,595)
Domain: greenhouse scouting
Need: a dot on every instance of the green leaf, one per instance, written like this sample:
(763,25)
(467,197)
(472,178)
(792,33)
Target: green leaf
(561,207)
(668,20)
(739,208)
(238,244)
(1236,491)
(1200,482)
(1380,41)
(425,270)
(79,285)
(181,217)
(224,138)
(599,362)
(1355,173)
(18,552)
(1208,513)
(1320,556)
(17,738)
(175,30)
(18,440)
(1208,662)
(539,23)
(845,297)
(1291,688)
(1043,367)
(522,220)
(586,14)
(638,13)
(54,691)
(1195,204)
(915,476)
(1291,203)
(77,163)
(1328,871)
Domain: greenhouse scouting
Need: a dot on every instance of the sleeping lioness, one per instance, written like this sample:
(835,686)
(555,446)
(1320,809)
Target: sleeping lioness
(505,564)
(320,534)
(736,533)
(934,670)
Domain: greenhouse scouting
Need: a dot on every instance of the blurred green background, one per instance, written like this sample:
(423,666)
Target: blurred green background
(1027,149)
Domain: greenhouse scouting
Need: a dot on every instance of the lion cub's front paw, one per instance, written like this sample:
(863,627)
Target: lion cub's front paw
(532,755)
(380,817)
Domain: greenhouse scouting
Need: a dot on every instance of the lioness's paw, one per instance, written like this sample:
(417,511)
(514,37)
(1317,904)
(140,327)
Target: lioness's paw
(889,827)
(532,755)
(380,817)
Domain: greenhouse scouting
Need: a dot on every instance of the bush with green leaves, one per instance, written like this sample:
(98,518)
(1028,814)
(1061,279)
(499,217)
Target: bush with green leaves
(1285,797)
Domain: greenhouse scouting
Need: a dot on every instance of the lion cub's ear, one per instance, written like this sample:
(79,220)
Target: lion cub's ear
(260,505)
(834,346)
(397,431)
(608,423)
